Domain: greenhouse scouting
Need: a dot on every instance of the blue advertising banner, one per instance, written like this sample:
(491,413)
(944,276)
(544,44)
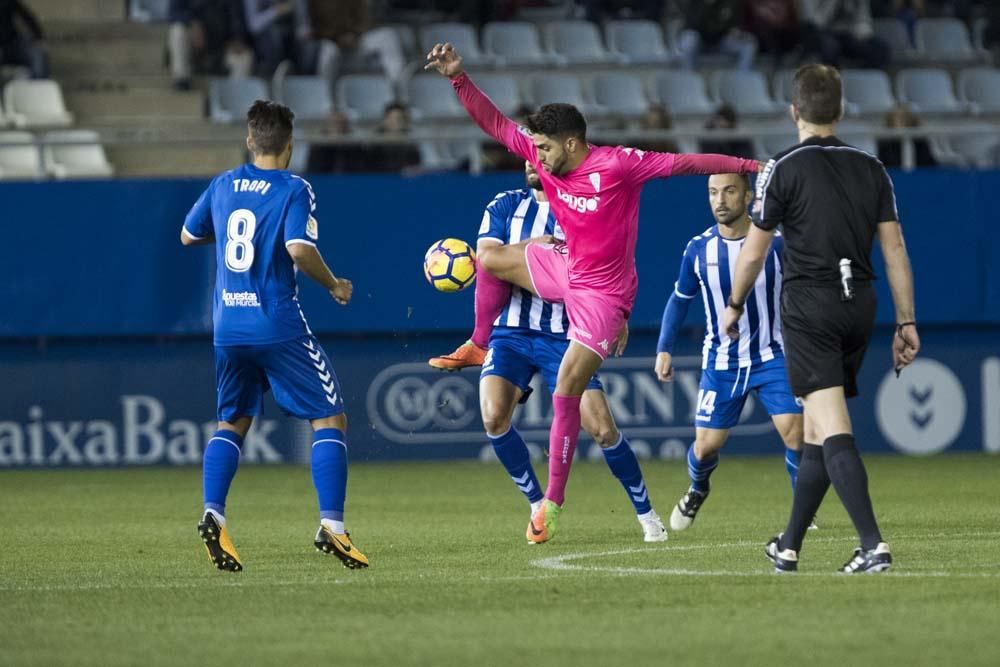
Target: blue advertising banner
(143,403)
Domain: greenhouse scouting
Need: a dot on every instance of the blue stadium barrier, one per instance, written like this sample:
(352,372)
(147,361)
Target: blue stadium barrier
(103,258)
(113,403)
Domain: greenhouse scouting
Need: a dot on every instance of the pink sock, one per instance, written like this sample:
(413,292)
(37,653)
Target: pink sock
(562,444)
(492,295)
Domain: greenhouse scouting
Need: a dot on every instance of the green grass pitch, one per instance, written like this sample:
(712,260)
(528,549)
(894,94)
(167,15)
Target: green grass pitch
(106,568)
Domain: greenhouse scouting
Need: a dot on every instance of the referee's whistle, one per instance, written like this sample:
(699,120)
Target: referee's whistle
(846,280)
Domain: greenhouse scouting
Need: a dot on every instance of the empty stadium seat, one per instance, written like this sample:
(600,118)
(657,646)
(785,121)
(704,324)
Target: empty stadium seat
(944,39)
(577,42)
(869,91)
(893,32)
(432,98)
(558,87)
(514,43)
(230,99)
(638,42)
(149,11)
(308,96)
(621,94)
(768,145)
(683,93)
(928,91)
(744,91)
(461,35)
(36,103)
(503,90)
(980,86)
(20,159)
(781,85)
(865,142)
(82,155)
(363,97)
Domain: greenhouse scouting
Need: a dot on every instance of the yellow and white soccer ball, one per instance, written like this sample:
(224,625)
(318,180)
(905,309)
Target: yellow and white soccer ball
(450,265)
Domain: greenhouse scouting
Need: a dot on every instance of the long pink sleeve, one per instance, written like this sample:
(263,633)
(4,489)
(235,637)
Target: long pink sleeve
(492,121)
(710,163)
(640,166)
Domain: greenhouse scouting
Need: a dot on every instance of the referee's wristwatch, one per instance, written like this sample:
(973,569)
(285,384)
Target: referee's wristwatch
(735,306)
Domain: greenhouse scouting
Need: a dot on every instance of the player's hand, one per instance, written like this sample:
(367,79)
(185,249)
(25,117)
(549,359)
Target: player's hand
(621,341)
(905,345)
(445,60)
(731,322)
(342,291)
(664,367)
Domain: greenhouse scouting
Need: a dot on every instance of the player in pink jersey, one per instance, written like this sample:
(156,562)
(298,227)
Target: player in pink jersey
(594,193)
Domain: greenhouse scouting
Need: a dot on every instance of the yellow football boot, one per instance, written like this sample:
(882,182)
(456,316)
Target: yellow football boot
(219,545)
(339,544)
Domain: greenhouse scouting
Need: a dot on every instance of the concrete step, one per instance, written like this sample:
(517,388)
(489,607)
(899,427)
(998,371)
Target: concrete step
(174,159)
(127,56)
(80,10)
(103,31)
(147,104)
(111,82)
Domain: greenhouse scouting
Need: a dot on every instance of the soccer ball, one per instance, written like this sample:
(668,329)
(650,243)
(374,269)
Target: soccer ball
(450,265)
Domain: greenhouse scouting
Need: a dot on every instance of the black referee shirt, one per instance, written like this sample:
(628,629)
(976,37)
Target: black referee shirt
(829,198)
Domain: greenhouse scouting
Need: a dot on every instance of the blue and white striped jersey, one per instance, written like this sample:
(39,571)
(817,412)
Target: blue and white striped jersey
(709,262)
(514,216)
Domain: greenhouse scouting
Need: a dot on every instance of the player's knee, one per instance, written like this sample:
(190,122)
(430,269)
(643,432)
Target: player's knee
(605,435)
(496,421)
(704,447)
(792,433)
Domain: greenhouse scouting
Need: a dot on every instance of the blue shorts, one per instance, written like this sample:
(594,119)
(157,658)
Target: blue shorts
(517,354)
(297,371)
(722,394)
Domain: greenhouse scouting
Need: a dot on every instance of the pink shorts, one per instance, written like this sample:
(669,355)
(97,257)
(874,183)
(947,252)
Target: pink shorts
(594,320)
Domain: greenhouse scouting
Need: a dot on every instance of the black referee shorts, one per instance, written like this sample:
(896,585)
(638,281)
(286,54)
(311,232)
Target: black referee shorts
(825,338)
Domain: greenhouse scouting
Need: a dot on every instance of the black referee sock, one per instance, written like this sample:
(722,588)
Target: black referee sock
(810,488)
(849,478)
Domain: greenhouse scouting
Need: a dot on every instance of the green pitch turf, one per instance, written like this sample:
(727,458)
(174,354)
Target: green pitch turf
(106,568)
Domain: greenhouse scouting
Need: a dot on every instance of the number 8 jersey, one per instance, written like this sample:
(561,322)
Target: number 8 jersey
(254,215)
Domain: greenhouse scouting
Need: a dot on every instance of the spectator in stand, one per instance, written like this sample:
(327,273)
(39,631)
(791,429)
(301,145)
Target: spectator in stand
(890,151)
(336,30)
(16,48)
(656,119)
(274,26)
(907,11)
(207,37)
(725,118)
(597,11)
(361,156)
(715,26)
(838,30)
(775,24)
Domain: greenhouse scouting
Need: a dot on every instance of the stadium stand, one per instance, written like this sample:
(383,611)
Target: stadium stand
(746,91)
(577,43)
(945,39)
(228,99)
(980,88)
(432,99)
(308,96)
(75,154)
(461,35)
(637,42)
(503,89)
(36,103)
(621,94)
(363,97)
(683,93)
(928,91)
(868,91)
(514,44)
(19,156)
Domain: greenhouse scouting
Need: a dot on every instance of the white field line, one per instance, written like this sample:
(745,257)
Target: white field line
(166,585)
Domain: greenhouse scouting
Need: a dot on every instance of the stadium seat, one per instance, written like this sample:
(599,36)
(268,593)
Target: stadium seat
(149,11)
(503,90)
(744,91)
(928,91)
(36,103)
(363,97)
(621,94)
(229,99)
(637,42)
(944,39)
(577,42)
(893,32)
(76,159)
(980,88)
(461,35)
(514,43)
(683,93)
(408,40)
(769,144)
(781,85)
(558,87)
(865,142)
(21,159)
(868,91)
(308,96)
(432,98)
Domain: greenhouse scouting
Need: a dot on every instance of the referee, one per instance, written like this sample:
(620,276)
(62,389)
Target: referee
(831,200)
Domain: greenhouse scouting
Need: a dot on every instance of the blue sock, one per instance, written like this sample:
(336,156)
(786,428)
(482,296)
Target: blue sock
(700,471)
(792,458)
(514,456)
(625,466)
(329,472)
(222,456)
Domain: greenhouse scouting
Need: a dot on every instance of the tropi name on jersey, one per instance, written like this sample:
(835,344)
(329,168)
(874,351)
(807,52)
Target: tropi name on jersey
(258,185)
(578,203)
(240,299)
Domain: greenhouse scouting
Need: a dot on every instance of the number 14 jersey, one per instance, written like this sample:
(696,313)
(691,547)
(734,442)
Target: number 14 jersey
(254,214)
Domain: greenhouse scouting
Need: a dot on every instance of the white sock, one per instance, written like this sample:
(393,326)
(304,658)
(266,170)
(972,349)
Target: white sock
(535,507)
(218,517)
(333,526)
(648,515)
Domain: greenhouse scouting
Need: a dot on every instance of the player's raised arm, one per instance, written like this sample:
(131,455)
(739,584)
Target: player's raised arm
(641,166)
(445,60)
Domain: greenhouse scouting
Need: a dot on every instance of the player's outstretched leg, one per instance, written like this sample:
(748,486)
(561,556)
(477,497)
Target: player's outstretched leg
(790,428)
(498,267)
(221,458)
(621,459)
(702,460)
(329,472)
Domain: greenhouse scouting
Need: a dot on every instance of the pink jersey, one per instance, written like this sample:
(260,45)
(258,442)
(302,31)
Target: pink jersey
(596,204)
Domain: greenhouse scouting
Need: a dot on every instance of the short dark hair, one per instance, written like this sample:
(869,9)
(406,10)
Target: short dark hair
(270,126)
(817,93)
(558,120)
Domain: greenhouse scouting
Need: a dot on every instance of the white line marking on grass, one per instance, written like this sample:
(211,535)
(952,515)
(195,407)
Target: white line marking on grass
(166,585)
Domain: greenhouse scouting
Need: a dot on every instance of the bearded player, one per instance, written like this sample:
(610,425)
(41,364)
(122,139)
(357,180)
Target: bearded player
(594,193)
